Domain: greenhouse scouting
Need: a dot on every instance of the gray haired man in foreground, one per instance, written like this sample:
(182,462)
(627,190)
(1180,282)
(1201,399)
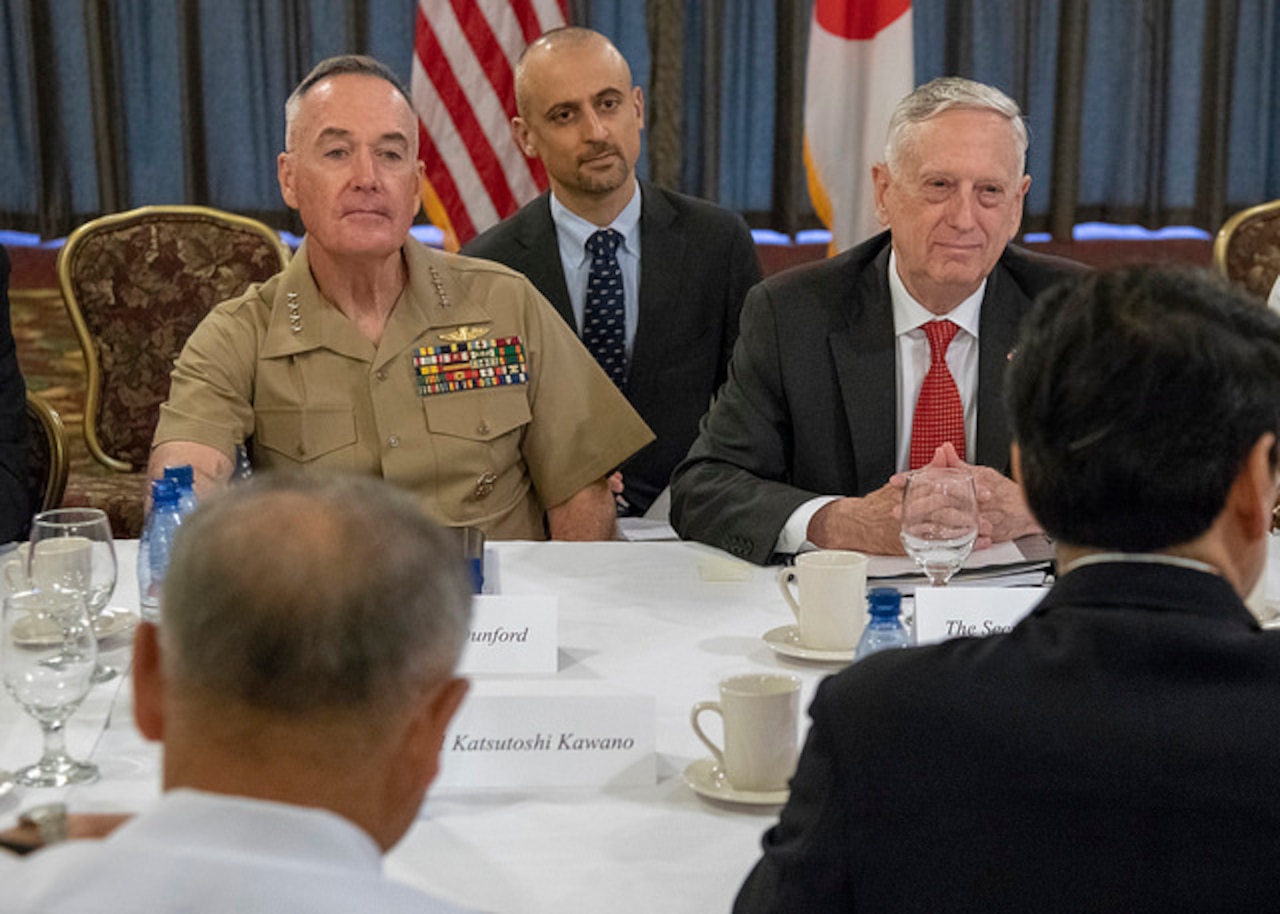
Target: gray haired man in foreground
(301,681)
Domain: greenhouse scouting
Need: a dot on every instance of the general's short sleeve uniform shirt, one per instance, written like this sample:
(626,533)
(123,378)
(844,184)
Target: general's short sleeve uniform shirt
(283,366)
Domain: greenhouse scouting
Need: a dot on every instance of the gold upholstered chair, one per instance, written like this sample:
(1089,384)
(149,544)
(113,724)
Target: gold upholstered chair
(50,459)
(135,285)
(1247,248)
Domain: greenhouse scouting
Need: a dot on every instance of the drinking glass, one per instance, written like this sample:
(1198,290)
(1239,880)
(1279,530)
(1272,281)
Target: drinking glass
(96,578)
(939,520)
(48,651)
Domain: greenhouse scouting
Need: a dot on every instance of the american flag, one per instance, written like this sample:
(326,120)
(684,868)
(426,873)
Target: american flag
(463,89)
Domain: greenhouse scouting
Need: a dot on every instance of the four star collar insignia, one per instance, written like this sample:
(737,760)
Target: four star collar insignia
(469,361)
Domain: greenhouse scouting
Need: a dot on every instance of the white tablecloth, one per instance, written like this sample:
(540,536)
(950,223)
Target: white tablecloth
(635,616)
(655,618)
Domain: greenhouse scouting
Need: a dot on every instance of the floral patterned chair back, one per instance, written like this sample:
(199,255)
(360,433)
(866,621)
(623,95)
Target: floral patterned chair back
(1247,248)
(136,284)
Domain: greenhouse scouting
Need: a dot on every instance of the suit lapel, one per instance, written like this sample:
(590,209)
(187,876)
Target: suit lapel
(1002,308)
(662,244)
(866,365)
(541,263)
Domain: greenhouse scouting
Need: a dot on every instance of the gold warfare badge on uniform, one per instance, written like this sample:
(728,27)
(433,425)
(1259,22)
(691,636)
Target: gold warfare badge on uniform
(470,365)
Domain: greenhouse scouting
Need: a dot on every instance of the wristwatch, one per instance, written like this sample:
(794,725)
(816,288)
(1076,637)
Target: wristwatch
(48,822)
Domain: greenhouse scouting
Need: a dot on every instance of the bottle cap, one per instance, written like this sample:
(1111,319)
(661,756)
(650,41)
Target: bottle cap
(184,476)
(164,491)
(884,601)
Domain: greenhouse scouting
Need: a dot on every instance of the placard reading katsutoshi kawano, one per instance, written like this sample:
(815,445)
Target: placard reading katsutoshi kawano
(542,734)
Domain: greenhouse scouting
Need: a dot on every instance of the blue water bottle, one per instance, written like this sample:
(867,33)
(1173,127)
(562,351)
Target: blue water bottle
(156,544)
(884,629)
(184,477)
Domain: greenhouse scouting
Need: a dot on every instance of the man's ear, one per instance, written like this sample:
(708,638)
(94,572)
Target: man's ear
(432,723)
(520,133)
(284,174)
(880,180)
(148,682)
(1253,493)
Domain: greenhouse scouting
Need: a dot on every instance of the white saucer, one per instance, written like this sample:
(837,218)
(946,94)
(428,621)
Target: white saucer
(708,780)
(29,633)
(114,622)
(785,640)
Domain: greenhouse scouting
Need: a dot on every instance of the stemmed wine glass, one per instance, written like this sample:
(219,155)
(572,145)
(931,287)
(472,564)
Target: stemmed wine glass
(72,549)
(48,651)
(939,520)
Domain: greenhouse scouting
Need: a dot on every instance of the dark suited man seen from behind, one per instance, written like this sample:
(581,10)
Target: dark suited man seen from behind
(1114,751)
(652,280)
(15,437)
(827,382)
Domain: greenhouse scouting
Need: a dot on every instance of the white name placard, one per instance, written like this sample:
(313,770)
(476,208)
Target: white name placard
(550,735)
(956,612)
(511,634)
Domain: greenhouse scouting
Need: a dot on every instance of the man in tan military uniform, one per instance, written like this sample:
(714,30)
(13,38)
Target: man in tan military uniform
(371,353)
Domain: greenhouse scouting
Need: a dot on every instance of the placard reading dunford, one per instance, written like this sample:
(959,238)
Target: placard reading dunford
(550,735)
(957,612)
(511,634)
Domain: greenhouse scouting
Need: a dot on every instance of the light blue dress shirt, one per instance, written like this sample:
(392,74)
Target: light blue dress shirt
(572,232)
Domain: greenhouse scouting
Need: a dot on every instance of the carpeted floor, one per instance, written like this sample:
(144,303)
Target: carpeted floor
(53,366)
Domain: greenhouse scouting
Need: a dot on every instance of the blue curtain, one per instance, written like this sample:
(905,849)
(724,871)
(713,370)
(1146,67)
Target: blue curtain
(106,105)
(1253,172)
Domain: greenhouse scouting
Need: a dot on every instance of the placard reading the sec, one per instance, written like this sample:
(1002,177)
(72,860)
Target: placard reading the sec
(961,612)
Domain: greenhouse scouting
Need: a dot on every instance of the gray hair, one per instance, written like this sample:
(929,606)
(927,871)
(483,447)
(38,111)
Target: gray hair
(945,94)
(342,65)
(310,594)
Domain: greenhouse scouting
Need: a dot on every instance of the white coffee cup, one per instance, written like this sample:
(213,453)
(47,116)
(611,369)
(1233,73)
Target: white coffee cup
(831,609)
(761,713)
(60,561)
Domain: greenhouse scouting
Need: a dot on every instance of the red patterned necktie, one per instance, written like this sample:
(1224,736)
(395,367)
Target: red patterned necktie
(939,415)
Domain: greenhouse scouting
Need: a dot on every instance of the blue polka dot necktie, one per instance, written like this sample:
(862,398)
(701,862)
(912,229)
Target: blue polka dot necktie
(604,327)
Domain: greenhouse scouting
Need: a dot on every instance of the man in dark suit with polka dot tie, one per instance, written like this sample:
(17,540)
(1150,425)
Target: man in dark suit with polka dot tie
(680,267)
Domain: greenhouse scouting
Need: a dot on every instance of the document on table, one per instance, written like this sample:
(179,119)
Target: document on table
(1024,562)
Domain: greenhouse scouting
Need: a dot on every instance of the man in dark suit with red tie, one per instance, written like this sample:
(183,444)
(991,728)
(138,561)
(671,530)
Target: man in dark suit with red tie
(683,264)
(818,414)
(1114,752)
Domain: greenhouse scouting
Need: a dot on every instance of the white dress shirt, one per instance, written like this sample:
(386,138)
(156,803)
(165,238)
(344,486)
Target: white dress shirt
(572,232)
(208,852)
(909,317)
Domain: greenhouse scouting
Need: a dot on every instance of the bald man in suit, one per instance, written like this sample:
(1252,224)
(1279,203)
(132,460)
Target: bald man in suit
(686,264)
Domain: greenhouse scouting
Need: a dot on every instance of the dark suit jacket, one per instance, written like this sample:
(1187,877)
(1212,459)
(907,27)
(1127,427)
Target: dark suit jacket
(1115,752)
(696,263)
(810,405)
(15,437)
